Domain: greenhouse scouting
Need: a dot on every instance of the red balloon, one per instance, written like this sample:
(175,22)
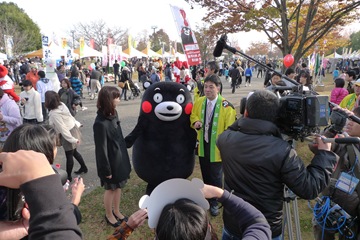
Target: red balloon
(288,60)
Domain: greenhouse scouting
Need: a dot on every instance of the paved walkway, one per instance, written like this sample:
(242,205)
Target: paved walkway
(128,113)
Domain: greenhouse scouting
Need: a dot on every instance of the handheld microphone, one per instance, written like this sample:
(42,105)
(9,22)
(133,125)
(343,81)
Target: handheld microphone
(346,140)
(220,45)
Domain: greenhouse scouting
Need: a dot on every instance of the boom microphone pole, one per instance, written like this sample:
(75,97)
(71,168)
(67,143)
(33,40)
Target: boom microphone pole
(221,44)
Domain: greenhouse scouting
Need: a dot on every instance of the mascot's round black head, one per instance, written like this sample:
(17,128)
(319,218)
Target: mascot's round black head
(167,101)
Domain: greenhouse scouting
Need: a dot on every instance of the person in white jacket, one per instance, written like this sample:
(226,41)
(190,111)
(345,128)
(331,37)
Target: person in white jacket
(30,103)
(42,86)
(10,117)
(67,126)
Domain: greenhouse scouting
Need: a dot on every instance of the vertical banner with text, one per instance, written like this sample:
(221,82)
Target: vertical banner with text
(112,48)
(47,54)
(8,40)
(187,35)
(105,60)
(82,47)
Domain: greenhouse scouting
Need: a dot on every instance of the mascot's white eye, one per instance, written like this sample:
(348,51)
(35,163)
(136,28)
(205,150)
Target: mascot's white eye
(180,99)
(158,97)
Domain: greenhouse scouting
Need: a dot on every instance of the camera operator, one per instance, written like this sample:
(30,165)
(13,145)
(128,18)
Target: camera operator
(257,163)
(349,202)
(52,214)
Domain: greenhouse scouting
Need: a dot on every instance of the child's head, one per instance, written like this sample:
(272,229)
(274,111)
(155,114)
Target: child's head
(339,82)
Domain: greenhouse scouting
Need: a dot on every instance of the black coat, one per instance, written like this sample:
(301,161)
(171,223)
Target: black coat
(72,95)
(110,150)
(257,163)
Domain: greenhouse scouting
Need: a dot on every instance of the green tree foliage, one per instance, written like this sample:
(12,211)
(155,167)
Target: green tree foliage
(16,23)
(355,40)
(205,42)
(294,26)
(159,37)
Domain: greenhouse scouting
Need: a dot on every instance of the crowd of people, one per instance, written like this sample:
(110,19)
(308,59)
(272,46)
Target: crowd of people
(244,162)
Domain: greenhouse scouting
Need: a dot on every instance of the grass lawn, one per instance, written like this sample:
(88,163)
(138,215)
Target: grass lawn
(95,227)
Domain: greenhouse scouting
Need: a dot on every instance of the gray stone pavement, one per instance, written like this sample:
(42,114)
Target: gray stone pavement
(128,114)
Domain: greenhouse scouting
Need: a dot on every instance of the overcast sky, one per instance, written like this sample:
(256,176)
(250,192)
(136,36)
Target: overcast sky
(59,16)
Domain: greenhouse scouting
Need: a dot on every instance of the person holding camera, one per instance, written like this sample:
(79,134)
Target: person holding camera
(347,199)
(47,203)
(257,163)
(30,104)
(39,138)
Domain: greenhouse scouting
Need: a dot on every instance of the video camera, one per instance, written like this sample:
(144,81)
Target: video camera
(301,113)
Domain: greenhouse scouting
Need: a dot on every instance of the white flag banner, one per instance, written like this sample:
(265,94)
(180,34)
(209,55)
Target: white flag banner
(104,51)
(47,54)
(112,57)
(188,38)
(9,45)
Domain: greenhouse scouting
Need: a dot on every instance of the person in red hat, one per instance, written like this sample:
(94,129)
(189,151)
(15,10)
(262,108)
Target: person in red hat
(6,84)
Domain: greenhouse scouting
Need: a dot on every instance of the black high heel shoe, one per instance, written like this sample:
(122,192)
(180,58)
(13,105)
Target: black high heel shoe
(81,170)
(120,219)
(112,224)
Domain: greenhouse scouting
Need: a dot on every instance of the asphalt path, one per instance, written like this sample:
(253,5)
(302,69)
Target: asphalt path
(128,113)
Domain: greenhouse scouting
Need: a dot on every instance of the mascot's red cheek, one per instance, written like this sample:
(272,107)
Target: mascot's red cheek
(146,107)
(188,108)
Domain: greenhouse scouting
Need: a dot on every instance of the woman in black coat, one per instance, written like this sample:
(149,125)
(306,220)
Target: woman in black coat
(112,159)
(68,96)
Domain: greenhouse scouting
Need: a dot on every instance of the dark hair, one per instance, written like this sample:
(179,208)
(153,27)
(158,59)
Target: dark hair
(41,74)
(352,74)
(74,73)
(304,65)
(264,105)
(276,74)
(356,111)
(213,66)
(339,82)
(52,100)
(105,102)
(306,75)
(289,71)
(214,78)
(68,83)
(182,219)
(39,138)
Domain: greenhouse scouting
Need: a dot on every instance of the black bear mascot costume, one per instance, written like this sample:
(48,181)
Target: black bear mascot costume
(163,141)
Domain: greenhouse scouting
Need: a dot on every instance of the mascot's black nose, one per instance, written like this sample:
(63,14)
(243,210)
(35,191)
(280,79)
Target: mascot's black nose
(170,108)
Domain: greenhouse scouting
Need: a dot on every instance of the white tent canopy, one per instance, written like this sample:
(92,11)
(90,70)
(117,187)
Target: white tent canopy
(134,53)
(88,52)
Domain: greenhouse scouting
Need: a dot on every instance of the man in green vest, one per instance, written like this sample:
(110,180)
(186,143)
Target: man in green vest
(210,116)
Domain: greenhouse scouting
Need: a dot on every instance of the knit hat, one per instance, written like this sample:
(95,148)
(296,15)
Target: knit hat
(3,71)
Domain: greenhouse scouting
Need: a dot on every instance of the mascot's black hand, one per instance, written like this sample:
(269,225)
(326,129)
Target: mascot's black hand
(128,142)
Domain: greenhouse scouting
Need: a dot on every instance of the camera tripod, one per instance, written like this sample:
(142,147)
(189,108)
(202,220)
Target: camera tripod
(289,196)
